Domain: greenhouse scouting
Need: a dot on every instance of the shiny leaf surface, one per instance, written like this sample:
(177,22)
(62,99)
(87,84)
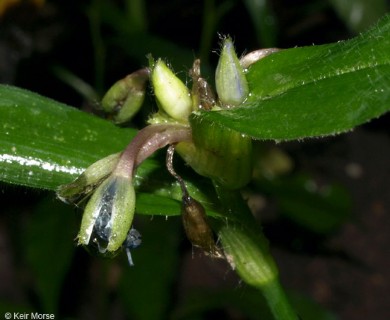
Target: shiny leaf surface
(315,91)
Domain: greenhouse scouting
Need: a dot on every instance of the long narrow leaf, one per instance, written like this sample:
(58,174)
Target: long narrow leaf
(315,91)
(44,143)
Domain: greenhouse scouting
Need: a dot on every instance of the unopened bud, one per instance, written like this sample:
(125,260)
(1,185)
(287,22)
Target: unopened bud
(126,96)
(172,95)
(230,80)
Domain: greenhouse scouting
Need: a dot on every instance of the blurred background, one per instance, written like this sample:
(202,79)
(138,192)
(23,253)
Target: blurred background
(323,204)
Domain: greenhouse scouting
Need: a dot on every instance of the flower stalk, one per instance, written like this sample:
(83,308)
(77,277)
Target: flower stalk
(147,141)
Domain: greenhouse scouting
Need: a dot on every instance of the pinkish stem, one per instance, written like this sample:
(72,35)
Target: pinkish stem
(146,142)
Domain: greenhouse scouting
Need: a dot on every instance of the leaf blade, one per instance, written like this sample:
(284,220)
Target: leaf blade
(294,92)
(44,143)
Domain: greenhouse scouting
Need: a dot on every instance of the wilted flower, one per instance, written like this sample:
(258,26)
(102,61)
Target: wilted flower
(202,95)
(109,213)
(197,227)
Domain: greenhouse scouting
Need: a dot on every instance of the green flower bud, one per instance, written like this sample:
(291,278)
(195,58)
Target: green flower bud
(109,214)
(230,80)
(88,180)
(126,96)
(172,95)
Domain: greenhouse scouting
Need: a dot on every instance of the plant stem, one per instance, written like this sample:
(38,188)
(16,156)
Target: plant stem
(247,251)
(277,300)
(146,142)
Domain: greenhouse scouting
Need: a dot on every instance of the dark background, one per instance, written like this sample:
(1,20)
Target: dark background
(343,273)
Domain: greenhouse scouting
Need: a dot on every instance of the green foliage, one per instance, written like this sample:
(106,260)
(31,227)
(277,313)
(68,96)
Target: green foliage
(297,93)
(315,91)
(45,143)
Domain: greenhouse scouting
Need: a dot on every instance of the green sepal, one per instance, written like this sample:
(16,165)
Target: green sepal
(216,152)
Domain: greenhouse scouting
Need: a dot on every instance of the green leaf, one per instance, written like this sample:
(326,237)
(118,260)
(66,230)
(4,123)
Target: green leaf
(44,143)
(314,91)
(151,204)
(296,93)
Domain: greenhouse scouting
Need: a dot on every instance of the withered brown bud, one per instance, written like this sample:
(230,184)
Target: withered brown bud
(197,228)
(202,94)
